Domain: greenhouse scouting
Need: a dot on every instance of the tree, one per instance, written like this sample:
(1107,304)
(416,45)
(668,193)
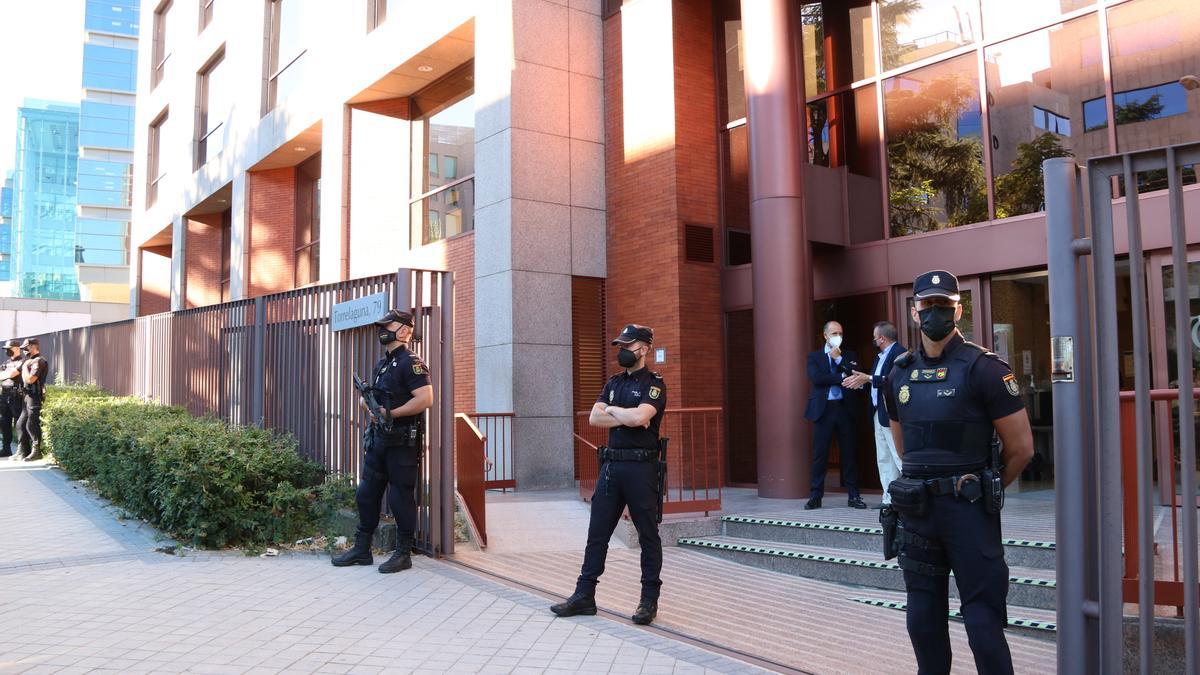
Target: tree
(1022,190)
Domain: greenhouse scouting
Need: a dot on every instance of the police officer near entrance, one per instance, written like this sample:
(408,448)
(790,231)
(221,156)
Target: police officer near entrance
(401,385)
(631,408)
(12,394)
(945,399)
(33,375)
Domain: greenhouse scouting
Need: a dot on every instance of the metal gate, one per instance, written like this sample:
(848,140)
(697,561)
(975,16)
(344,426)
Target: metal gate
(1088,447)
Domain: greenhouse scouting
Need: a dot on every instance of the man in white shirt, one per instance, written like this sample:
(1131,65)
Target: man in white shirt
(884,336)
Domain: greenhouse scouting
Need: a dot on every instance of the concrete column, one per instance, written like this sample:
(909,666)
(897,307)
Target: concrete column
(539,178)
(335,188)
(239,237)
(779,246)
(178,263)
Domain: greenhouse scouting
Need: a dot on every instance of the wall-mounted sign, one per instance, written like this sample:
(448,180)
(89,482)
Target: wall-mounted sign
(358,312)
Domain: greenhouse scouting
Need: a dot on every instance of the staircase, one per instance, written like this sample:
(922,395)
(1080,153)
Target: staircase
(851,554)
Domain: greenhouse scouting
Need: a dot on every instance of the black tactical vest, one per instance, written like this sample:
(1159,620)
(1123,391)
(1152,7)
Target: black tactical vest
(946,428)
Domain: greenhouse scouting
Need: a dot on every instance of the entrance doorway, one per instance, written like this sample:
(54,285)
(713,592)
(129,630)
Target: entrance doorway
(1163,362)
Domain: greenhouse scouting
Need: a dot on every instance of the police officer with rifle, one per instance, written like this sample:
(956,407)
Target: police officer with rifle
(632,474)
(947,400)
(34,369)
(400,392)
(12,394)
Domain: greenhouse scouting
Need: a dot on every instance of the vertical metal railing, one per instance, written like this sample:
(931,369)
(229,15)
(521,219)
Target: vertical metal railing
(497,431)
(1089,425)
(273,361)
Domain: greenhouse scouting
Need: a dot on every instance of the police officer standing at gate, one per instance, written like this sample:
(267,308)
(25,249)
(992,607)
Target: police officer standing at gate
(401,385)
(12,394)
(33,374)
(631,408)
(945,400)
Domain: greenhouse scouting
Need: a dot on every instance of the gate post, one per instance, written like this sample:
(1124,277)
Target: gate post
(258,364)
(1072,413)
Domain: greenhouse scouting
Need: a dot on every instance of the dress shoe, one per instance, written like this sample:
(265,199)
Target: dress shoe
(578,604)
(814,503)
(646,611)
(856,503)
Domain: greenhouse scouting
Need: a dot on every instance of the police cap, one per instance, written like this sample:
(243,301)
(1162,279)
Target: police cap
(634,332)
(936,284)
(29,341)
(12,344)
(397,316)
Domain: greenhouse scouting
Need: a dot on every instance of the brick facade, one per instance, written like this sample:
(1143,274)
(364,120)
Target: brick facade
(460,259)
(272,230)
(649,201)
(202,260)
(154,294)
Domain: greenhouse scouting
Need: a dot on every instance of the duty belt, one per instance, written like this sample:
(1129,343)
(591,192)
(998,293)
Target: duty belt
(945,485)
(628,455)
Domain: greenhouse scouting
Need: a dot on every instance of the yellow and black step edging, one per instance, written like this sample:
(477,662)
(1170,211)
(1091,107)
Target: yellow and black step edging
(1032,624)
(852,529)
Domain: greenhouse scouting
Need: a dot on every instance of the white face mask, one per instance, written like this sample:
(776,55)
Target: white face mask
(835,341)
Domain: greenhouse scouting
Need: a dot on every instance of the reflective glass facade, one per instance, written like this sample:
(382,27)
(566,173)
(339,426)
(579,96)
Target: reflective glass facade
(105,165)
(6,207)
(44,201)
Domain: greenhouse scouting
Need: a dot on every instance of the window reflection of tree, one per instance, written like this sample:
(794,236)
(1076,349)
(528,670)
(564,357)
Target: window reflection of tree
(936,178)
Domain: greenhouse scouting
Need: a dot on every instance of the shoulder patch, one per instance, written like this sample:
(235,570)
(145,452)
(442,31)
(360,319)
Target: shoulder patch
(1010,383)
(418,368)
(655,392)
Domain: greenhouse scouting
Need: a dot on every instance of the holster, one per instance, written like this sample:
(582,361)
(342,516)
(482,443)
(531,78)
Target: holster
(889,518)
(993,490)
(910,496)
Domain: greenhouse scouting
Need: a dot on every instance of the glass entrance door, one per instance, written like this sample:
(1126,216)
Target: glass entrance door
(1165,367)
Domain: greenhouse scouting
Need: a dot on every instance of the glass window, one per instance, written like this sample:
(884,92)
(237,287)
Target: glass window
(376,13)
(913,30)
(308,221)
(812,40)
(1000,19)
(864,181)
(733,66)
(160,53)
(214,109)
(206,13)
(448,138)
(449,167)
(155,168)
(111,16)
(289,26)
(935,156)
(433,165)
(1153,44)
(1035,84)
(862,41)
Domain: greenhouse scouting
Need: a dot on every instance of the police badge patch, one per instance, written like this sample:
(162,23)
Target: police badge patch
(914,375)
(904,394)
(1010,382)
(418,369)
(655,392)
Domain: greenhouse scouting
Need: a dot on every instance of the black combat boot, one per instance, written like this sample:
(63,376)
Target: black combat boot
(34,455)
(646,611)
(578,604)
(400,560)
(360,554)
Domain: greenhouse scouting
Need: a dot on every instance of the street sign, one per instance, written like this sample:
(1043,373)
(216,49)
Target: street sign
(358,312)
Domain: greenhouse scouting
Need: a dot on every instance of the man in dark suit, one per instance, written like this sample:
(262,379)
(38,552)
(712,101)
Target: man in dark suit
(884,336)
(831,413)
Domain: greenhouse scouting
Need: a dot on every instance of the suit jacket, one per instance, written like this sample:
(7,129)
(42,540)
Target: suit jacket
(823,377)
(879,382)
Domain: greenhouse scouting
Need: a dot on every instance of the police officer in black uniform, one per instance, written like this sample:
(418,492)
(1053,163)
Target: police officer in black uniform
(12,394)
(631,408)
(33,376)
(402,386)
(945,399)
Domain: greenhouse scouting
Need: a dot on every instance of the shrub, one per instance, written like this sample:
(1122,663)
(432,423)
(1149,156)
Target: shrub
(199,479)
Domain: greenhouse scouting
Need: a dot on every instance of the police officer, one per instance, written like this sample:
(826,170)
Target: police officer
(401,385)
(945,398)
(11,394)
(631,408)
(33,374)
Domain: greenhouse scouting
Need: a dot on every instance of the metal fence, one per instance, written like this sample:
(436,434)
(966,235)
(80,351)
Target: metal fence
(1087,411)
(695,458)
(497,431)
(274,361)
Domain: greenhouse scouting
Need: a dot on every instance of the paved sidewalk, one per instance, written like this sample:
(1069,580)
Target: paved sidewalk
(81,590)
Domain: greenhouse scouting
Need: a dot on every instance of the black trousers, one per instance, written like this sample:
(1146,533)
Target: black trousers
(836,420)
(393,470)
(966,539)
(29,424)
(11,407)
(621,484)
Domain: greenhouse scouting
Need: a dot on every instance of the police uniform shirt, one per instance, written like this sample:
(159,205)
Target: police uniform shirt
(397,376)
(992,383)
(629,390)
(11,385)
(35,365)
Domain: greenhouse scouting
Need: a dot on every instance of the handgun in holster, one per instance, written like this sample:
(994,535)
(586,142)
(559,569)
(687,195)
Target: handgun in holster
(889,518)
(993,480)
(662,477)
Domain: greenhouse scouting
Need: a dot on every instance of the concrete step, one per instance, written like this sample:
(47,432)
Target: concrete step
(1018,552)
(1027,586)
(1028,620)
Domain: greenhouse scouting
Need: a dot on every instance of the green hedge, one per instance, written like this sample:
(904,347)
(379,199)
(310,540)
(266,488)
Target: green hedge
(201,480)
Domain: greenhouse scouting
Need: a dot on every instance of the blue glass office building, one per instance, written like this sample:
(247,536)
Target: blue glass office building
(6,206)
(106,135)
(44,200)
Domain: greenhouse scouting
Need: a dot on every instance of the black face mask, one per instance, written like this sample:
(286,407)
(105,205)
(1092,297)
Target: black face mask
(386,337)
(937,322)
(627,358)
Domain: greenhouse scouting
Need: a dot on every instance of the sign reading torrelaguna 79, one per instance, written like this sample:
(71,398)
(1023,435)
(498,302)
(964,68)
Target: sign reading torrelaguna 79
(358,312)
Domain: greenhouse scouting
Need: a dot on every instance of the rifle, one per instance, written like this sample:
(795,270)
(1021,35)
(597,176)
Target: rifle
(662,477)
(368,397)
